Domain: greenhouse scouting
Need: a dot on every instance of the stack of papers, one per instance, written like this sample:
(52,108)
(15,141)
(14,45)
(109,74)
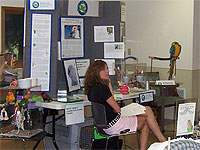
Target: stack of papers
(81,96)
(132,109)
(62,96)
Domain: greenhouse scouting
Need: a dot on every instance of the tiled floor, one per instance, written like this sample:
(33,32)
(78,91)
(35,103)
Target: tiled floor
(130,140)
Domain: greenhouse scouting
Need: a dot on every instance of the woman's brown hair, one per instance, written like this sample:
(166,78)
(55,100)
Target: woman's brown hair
(92,75)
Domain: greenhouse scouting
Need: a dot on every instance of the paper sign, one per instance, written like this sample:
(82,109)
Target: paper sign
(165,82)
(114,50)
(42,4)
(82,65)
(74,113)
(83,8)
(104,34)
(146,97)
(111,65)
(185,122)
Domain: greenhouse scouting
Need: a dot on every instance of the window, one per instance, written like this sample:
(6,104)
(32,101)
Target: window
(12,27)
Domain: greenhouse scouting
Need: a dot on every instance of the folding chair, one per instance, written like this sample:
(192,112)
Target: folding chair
(100,122)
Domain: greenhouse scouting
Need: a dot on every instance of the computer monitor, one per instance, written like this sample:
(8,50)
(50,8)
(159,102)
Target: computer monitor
(71,74)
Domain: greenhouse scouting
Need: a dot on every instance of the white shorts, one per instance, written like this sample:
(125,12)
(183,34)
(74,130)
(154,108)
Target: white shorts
(122,124)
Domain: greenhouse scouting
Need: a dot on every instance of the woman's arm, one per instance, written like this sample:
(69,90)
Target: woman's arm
(113,104)
(110,87)
(111,100)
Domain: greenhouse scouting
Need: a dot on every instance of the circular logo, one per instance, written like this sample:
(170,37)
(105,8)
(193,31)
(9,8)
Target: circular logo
(143,97)
(82,7)
(35,4)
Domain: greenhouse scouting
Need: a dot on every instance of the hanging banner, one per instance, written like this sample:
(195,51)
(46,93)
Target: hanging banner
(42,4)
(83,8)
(41,49)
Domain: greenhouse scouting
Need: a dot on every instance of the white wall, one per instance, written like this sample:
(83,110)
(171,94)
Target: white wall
(152,25)
(196,54)
(10,3)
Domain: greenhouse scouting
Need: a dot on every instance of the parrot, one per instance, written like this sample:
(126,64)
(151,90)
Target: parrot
(175,51)
(46,96)
(10,97)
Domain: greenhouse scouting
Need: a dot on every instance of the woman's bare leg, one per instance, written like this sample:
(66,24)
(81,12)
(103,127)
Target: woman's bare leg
(152,124)
(143,127)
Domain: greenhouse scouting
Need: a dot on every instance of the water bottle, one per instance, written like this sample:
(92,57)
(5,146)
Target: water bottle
(147,85)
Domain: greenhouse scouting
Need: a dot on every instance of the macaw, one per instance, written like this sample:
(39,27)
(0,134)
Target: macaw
(174,51)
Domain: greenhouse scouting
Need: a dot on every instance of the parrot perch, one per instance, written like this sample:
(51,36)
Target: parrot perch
(175,51)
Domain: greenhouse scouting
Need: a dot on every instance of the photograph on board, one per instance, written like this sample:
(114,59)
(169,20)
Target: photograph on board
(72,75)
(72,32)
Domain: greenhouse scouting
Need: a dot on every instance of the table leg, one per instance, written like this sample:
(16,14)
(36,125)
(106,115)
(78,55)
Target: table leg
(53,130)
(162,109)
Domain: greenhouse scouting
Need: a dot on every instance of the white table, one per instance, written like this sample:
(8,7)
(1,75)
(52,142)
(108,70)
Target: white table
(59,105)
(55,105)
(133,94)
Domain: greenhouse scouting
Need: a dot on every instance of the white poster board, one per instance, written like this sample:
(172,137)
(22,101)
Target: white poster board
(82,65)
(114,50)
(111,65)
(42,4)
(185,121)
(72,75)
(104,34)
(83,8)
(72,37)
(74,113)
(41,49)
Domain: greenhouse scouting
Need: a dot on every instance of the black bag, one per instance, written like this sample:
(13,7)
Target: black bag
(114,143)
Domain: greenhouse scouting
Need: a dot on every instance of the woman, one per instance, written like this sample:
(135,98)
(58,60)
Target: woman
(98,89)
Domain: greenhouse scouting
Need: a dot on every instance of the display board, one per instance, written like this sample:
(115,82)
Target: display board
(109,15)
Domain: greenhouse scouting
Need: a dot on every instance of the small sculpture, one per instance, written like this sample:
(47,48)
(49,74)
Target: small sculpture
(20,120)
(4,115)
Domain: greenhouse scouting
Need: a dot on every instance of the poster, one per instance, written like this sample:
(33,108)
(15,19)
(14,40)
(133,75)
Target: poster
(82,65)
(114,50)
(83,8)
(111,65)
(123,13)
(72,75)
(104,34)
(72,37)
(185,122)
(82,80)
(74,113)
(42,4)
(41,49)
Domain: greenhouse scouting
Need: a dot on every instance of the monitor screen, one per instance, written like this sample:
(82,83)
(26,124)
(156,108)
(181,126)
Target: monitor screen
(71,74)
